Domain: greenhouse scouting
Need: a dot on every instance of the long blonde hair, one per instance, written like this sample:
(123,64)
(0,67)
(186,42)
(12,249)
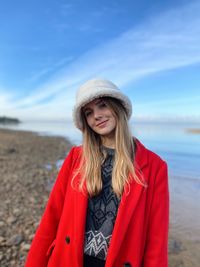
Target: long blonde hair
(92,156)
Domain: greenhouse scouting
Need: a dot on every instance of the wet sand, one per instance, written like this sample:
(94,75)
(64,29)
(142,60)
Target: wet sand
(184,237)
(27,172)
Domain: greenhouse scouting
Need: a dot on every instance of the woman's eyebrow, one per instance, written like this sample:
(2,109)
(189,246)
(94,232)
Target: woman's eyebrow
(85,109)
(98,101)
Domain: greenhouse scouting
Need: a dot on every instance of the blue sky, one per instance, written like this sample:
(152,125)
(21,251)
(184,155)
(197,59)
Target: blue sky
(150,49)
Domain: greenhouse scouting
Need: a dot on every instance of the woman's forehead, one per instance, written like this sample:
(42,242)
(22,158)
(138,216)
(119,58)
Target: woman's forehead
(93,102)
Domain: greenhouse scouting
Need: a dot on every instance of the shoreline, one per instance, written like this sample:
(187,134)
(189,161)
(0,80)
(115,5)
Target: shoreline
(184,239)
(28,168)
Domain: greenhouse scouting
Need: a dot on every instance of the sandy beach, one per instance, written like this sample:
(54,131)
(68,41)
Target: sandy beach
(28,168)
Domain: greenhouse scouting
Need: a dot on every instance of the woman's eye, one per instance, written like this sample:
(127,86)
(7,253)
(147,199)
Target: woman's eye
(87,113)
(102,105)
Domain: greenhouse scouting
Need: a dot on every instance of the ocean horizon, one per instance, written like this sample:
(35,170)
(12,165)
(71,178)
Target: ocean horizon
(170,140)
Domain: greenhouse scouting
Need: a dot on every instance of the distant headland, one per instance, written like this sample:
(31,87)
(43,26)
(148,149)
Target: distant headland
(193,131)
(8,120)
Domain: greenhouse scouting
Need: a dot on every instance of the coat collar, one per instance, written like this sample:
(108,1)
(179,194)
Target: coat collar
(141,155)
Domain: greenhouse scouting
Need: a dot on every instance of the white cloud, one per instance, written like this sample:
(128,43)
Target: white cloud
(49,69)
(168,41)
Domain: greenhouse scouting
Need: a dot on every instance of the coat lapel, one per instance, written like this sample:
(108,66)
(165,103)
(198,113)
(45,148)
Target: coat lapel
(127,206)
(80,213)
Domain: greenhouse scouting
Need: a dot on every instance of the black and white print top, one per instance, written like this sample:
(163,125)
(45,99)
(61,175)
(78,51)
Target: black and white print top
(101,213)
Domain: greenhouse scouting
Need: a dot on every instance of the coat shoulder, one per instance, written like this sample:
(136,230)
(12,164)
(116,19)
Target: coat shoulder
(153,157)
(143,154)
(77,150)
(74,155)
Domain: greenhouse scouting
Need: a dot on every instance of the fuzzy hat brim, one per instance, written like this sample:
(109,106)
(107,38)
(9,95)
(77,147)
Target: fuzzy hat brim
(99,88)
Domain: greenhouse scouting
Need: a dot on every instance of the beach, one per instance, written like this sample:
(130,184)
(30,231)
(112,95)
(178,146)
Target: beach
(28,169)
(184,238)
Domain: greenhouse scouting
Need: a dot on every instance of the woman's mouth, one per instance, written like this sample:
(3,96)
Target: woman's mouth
(101,123)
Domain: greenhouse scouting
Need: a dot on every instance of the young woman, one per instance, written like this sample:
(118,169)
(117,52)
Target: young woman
(110,203)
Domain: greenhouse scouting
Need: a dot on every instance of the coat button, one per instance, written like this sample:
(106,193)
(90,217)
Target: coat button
(127,264)
(67,239)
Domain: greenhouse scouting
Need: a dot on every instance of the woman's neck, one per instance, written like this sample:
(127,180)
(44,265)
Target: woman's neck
(110,143)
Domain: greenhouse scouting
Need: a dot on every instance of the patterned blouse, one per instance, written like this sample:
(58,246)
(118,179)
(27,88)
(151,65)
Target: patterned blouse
(101,213)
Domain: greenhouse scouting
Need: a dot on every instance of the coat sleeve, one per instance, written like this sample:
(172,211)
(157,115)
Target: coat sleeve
(46,232)
(156,250)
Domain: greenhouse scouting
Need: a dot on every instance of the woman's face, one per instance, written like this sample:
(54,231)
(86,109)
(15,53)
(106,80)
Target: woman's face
(100,118)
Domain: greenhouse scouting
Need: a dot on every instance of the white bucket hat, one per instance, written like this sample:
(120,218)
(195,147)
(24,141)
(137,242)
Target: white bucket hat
(96,88)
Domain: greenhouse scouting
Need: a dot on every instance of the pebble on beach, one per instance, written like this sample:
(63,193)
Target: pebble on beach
(28,169)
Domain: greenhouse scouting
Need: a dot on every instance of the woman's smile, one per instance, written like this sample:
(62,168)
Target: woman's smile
(102,124)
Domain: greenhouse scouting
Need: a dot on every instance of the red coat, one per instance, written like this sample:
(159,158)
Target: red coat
(140,234)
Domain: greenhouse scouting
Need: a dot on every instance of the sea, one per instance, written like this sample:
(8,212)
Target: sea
(173,143)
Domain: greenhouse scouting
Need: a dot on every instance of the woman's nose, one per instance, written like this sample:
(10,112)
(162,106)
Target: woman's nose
(97,114)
